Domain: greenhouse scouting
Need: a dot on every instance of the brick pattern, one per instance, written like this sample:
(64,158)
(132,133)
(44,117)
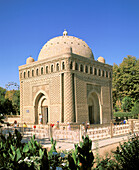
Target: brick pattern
(82,110)
(54,113)
(92,87)
(81,91)
(106,104)
(55,89)
(50,82)
(21,100)
(28,117)
(26,94)
(68,98)
(55,102)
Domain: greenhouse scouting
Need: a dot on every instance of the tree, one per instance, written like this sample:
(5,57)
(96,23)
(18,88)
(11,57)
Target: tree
(8,107)
(135,110)
(14,97)
(125,79)
(9,101)
(2,94)
(16,101)
(127,104)
(2,98)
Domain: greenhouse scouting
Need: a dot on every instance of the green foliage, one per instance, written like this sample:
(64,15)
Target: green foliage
(106,163)
(97,156)
(10,150)
(57,159)
(127,155)
(16,155)
(127,104)
(73,158)
(82,157)
(16,101)
(135,110)
(2,99)
(53,146)
(125,79)
(2,94)
(31,155)
(9,101)
(122,114)
(1,120)
(8,107)
(14,97)
(85,154)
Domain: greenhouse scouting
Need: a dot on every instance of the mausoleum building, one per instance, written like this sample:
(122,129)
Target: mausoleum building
(66,84)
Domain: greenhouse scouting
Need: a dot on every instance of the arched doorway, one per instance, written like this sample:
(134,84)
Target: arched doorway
(93,108)
(41,109)
(44,111)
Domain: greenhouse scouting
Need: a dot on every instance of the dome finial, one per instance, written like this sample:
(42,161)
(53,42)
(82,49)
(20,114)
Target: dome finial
(65,33)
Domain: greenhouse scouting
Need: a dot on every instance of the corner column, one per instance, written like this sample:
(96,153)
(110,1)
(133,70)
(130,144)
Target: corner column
(68,98)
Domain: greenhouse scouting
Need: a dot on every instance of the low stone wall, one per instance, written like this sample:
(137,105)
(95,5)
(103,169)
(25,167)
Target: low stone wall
(12,118)
(74,136)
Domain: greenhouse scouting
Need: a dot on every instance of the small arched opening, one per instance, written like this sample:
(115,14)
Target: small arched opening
(93,108)
(41,109)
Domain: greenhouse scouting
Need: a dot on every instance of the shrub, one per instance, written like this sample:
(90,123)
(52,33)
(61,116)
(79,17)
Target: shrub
(1,119)
(123,114)
(127,104)
(57,159)
(16,155)
(135,110)
(82,157)
(127,155)
(106,163)
(31,155)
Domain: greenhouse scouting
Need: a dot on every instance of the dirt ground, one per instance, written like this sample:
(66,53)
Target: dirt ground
(103,151)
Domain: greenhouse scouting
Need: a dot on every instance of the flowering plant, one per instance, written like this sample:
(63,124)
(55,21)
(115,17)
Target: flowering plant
(52,125)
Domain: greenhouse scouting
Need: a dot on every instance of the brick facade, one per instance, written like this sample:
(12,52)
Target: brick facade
(63,85)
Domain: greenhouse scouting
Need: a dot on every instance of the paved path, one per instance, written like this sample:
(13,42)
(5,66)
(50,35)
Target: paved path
(109,141)
(68,145)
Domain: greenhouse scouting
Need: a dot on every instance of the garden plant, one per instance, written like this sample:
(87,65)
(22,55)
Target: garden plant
(16,155)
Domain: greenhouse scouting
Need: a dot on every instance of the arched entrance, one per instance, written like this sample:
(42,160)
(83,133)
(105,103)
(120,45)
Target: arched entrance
(41,109)
(44,111)
(93,108)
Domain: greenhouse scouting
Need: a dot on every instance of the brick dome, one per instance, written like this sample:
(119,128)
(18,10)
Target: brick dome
(63,45)
(29,60)
(101,59)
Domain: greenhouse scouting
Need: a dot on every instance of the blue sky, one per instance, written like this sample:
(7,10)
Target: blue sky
(109,27)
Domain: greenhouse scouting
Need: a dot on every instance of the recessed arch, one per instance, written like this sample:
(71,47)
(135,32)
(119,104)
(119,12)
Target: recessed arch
(41,107)
(93,101)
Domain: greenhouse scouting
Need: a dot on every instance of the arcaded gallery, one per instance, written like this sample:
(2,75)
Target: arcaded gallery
(65,84)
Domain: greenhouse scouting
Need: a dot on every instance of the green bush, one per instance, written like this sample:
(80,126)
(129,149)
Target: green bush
(31,155)
(127,104)
(17,155)
(1,119)
(127,155)
(135,110)
(123,114)
(57,159)
(106,163)
(82,157)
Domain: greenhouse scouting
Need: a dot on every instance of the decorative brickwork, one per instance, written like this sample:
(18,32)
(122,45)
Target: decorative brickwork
(66,84)
(68,98)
